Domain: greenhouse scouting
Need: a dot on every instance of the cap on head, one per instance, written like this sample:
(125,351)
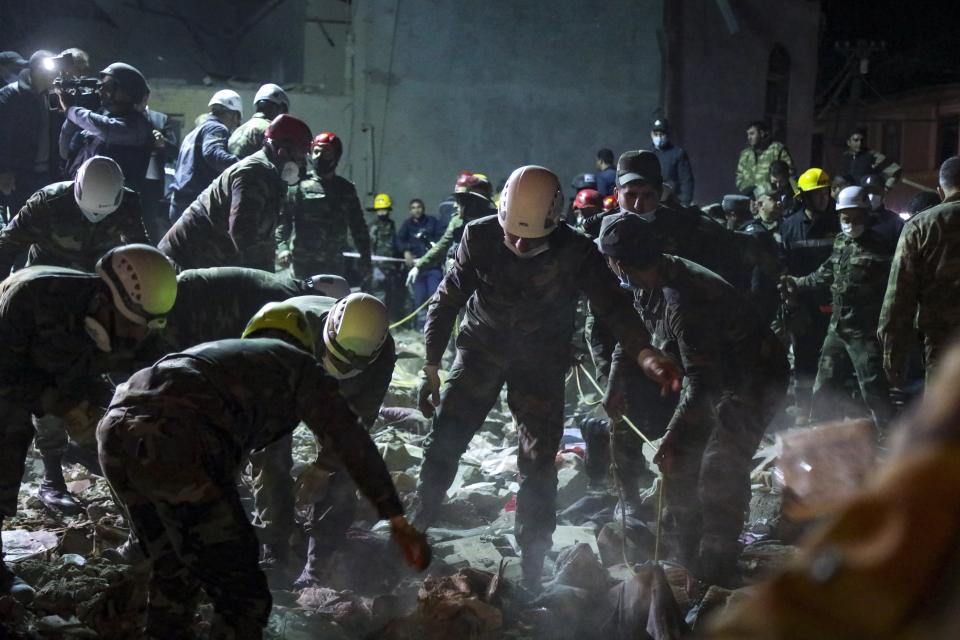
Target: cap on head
(660,124)
(142,283)
(288,132)
(531,202)
(129,78)
(584,181)
(588,198)
(813,179)
(475,184)
(284,317)
(736,204)
(272,93)
(630,239)
(98,188)
(640,166)
(873,183)
(852,198)
(228,99)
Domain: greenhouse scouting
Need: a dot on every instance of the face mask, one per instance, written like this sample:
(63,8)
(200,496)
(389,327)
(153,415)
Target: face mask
(290,173)
(323,166)
(647,217)
(876,200)
(528,254)
(852,230)
(332,370)
(98,334)
(660,141)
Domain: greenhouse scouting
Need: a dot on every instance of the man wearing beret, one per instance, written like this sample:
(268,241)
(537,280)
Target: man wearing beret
(736,377)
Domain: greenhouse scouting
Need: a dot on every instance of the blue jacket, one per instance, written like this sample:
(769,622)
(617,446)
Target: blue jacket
(126,138)
(407,240)
(606,181)
(21,116)
(203,157)
(676,169)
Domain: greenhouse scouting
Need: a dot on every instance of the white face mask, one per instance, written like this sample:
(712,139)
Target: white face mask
(853,230)
(336,373)
(647,217)
(528,254)
(876,200)
(290,173)
(99,335)
(659,141)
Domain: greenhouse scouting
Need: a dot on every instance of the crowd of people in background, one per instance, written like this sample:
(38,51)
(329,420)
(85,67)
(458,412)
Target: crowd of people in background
(798,298)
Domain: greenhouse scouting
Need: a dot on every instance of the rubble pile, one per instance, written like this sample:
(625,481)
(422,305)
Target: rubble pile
(600,579)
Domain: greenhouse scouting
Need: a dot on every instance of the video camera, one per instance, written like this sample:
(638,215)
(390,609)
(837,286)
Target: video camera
(84,89)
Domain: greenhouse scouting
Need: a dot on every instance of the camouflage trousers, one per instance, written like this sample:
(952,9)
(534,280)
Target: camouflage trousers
(707,493)
(838,355)
(535,395)
(177,482)
(273,491)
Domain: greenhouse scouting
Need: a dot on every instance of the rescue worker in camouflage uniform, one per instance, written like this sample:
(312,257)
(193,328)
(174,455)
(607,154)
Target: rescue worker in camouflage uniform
(71,224)
(922,290)
(318,212)
(519,276)
(856,274)
(473,198)
(232,222)
(270,101)
(357,349)
(173,441)
(61,329)
(736,375)
(753,167)
(384,282)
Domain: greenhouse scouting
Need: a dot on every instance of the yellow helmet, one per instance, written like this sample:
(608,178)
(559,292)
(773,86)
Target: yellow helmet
(813,179)
(282,316)
(382,201)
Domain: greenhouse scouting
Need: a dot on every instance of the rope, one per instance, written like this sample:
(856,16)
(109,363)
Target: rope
(623,514)
(583,398)
(412,315)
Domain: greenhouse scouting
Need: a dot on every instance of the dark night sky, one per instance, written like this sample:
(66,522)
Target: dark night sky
(922,41)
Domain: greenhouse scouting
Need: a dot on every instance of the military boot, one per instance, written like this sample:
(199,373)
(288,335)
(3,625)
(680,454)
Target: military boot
(314,569)
(127,553)
(53,489)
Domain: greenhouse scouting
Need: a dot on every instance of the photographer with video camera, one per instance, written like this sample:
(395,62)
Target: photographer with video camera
(118,130)
(28,157)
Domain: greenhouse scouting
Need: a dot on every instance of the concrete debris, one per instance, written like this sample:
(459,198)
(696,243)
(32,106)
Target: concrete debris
(762,558)
(571,485)
(19,544)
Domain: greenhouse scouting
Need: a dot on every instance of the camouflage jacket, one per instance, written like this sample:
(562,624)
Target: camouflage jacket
(313,225)
(924,281)
(247,139)
(856,274)
(383,238)
(724,346)
(233,220)
(753,168)
(517,306)
(49,363)
(242,395)
(53,231)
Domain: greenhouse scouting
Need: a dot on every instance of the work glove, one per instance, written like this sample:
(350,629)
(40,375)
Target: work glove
(416,550)
(662,369)
(412,276)
(428,390)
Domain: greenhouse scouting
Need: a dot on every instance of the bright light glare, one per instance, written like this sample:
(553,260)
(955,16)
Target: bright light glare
(48,64)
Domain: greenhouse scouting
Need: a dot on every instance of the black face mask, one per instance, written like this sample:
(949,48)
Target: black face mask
(323,166)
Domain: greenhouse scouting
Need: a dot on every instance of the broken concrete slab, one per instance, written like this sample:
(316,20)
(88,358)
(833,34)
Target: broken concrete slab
(571,486)
(567,536)
(474,551)
(20,544)
(400,457)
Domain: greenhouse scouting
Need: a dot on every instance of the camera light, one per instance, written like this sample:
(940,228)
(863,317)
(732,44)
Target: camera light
(49,64)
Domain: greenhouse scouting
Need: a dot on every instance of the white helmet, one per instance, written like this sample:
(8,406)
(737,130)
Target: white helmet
(353,334)
(228,99)
(330,286)
(98,188)
(531,202)
(852,198)
(272,93)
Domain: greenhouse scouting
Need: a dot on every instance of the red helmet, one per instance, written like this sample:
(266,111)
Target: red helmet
(328,138)
(474,183)
(609,203)
(587,198)
(288,132)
